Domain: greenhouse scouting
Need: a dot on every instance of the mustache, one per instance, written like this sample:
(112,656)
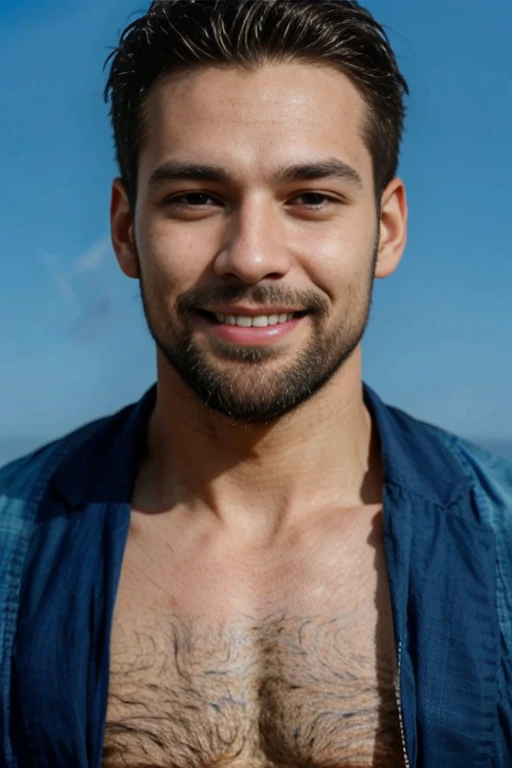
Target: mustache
(208,298)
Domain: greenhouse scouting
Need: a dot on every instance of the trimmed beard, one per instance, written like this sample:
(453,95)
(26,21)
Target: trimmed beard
(238,383)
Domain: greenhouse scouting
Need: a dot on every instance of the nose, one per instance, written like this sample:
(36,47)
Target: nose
(254,247)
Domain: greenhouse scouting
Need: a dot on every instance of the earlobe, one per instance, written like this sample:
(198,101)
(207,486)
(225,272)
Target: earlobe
(121,228)
(393,228)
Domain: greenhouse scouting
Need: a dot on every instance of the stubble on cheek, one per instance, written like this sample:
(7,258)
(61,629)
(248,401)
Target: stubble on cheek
(255,384)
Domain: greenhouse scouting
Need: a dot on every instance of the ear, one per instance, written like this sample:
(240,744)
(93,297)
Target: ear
(393,228)
(122,230)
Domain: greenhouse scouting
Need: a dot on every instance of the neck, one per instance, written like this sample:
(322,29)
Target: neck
(324,455)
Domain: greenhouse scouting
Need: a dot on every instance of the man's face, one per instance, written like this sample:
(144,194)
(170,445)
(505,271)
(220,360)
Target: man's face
(296,253)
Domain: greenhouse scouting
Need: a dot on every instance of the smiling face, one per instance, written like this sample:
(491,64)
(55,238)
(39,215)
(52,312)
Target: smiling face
(256,234)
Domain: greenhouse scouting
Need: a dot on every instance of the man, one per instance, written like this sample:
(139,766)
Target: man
(260,564)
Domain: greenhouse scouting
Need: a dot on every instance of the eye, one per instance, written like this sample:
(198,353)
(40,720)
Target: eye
(198,197)
(316,195)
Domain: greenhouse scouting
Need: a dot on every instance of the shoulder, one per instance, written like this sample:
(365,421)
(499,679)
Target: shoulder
(71,462)
(27,475)
(438,465)
(490,473)
(488,469)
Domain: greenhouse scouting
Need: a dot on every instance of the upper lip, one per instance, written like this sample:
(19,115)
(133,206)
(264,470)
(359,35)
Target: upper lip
(252,311)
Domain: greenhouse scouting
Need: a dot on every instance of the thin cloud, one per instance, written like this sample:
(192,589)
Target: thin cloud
(82,286)
(61,279)
(89,262)
(92,259)
(94,321)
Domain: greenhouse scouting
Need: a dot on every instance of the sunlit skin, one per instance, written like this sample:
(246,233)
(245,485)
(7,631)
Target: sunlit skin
(312,238)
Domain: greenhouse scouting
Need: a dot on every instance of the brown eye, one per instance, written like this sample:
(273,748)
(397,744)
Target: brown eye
(195,199)
(316,196)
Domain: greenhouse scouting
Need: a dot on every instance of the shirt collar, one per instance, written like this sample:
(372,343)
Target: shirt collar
(414,457)
(102,459)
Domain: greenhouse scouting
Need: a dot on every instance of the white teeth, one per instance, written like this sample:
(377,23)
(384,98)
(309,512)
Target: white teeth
(261,321)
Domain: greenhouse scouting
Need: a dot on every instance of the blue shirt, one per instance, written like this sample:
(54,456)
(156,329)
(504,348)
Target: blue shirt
(64,518)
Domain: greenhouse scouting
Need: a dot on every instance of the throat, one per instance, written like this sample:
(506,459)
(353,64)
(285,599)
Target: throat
(339,466)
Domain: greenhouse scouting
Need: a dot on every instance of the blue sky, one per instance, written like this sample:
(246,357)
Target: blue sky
(73,342)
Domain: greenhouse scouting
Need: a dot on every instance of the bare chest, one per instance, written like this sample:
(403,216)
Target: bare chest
(281,682)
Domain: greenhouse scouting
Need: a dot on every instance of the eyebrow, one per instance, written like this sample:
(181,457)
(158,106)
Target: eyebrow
(330,168)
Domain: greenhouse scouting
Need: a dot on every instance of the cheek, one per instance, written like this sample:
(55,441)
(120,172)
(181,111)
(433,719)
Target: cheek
(172,258)
(337,262)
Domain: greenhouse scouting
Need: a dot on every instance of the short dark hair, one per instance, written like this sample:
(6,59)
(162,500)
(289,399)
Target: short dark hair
(178,35)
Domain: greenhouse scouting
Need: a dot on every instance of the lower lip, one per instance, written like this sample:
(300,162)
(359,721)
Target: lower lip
(253,336)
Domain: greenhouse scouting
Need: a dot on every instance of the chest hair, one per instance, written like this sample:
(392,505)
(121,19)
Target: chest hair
(283,690)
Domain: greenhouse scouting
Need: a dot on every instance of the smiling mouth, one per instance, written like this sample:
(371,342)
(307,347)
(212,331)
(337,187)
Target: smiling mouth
(246,321)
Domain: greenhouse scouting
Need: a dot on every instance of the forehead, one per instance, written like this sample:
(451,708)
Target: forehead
(254,119)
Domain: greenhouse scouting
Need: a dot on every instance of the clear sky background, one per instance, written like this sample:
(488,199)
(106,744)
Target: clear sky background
(73,340)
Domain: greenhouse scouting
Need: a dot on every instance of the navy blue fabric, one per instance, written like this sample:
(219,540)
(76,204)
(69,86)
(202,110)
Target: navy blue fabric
(62,647)
(62,644)
(446,506)
(442,572)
